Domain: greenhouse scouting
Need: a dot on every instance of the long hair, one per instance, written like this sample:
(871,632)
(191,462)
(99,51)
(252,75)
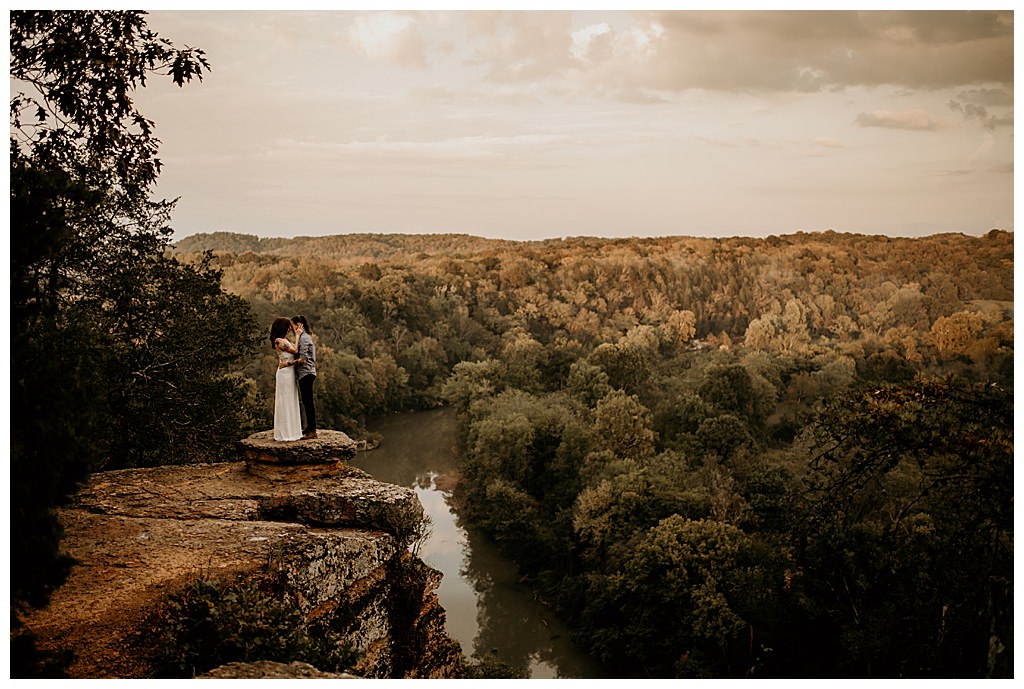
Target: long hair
(279,329)
(305,323)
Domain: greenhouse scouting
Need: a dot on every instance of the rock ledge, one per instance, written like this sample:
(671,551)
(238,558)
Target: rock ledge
(266,669)
(332,547)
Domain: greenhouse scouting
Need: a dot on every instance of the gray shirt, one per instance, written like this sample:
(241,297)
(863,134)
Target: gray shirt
(307,352)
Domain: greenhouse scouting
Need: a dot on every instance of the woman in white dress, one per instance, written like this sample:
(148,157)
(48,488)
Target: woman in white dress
(287,418)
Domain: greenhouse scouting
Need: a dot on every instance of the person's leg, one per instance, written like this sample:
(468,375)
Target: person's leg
(306,391)
(311,409)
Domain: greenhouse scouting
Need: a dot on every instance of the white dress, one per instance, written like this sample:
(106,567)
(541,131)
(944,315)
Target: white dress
(287,418)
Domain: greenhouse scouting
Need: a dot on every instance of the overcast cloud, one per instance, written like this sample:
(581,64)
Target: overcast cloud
(537,124)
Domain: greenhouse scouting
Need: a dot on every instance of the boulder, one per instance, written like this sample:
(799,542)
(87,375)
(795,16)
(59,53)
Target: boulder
(297,460)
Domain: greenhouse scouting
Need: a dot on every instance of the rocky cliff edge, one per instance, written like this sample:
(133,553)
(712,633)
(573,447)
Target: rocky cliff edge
(325,530)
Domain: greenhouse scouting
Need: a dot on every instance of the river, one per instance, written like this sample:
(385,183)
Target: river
(488,611)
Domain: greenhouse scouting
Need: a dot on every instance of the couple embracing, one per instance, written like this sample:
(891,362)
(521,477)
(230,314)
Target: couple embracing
(296,373)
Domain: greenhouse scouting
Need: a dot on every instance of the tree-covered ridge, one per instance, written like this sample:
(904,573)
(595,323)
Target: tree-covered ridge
(352,247)
(401,321)
(729,281)
(714,457)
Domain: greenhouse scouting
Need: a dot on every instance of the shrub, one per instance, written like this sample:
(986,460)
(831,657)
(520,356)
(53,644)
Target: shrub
(211,622)
(491,667)
(409,524)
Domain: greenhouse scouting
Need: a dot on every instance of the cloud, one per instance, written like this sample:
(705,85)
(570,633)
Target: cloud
(826,142)
(975,107)
(591,41)
(732,142)
(521,46)
(915,120)
(634,56)
(957,172)
(799,148)
(988,142)
(942,27)
(809,51)
(988,97)
(455,148)
(390,37)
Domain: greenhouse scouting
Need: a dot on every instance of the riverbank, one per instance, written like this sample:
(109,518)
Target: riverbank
(489,608)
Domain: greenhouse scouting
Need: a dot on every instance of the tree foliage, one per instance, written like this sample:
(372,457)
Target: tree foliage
(808,304)
(123,355)
(213,622)
(920,478)
(638,422)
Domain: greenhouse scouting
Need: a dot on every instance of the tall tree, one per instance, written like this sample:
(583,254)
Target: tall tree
(910,530)
(111,363)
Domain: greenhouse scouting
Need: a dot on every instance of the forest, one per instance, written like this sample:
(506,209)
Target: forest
(730,457)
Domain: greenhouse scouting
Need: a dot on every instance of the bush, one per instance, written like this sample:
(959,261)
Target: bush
(409,524)
(211,622)
(490,667)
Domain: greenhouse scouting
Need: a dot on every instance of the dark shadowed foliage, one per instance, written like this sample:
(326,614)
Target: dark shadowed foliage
(112,363)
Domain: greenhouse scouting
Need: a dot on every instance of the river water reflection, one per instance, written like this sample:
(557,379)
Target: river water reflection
(488,611)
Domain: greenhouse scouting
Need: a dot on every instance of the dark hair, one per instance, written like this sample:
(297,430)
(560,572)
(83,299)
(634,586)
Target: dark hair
(305,323)
(278,329)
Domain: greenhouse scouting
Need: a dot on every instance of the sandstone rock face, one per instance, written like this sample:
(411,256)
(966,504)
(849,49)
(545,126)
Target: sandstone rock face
(297,460)
(329,540)
(266,669)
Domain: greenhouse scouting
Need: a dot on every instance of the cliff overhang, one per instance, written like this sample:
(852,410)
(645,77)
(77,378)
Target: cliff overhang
(328,533)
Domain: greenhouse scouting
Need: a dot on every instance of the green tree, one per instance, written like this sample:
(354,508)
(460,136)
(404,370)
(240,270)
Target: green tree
(680,415)
(909,550)
(607,516)
(626,363)
(118,358)
(211,622)
(729,389)
(722,435)
(471,381)
(684,602)
(587,382)
(503,440)
(624,426)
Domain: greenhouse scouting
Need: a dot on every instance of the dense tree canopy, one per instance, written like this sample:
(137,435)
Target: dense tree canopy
(818,309)
(715,457)
(920,477)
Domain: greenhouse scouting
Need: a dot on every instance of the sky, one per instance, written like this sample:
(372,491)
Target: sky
(602,122)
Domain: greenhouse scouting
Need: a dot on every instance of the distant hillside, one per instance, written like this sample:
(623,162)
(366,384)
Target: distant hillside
(354,247)
(398,313)
(390,247)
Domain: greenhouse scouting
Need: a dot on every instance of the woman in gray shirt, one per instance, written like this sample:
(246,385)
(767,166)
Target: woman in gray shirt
(306,371)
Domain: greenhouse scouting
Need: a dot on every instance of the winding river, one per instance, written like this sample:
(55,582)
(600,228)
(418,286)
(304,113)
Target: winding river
(488,611)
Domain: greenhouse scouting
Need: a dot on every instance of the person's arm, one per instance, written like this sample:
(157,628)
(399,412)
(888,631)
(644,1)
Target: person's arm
(307,351)
(283,344)
(304,350)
